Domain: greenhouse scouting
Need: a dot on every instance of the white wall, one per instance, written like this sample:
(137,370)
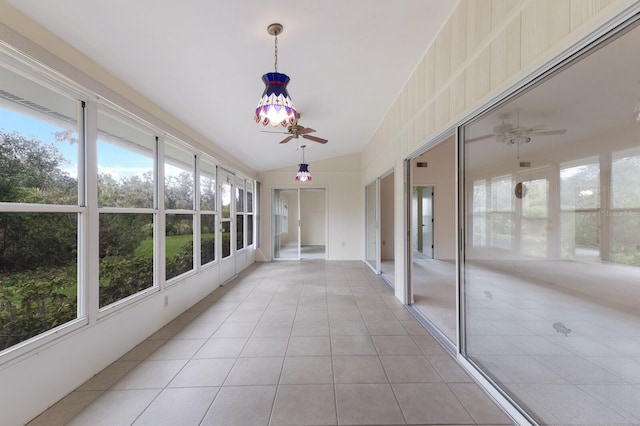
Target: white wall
(342,180)
(313,217)
(441,174)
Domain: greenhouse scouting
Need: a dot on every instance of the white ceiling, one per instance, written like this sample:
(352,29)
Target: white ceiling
(202,61)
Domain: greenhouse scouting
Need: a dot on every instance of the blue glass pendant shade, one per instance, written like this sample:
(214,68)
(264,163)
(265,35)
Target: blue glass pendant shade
(303,173)
(275,106)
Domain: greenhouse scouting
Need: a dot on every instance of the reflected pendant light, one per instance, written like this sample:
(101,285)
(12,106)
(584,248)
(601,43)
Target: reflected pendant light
(303,174)
(275,106)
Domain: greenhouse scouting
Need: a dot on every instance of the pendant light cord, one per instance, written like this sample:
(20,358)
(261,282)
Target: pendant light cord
(275,54)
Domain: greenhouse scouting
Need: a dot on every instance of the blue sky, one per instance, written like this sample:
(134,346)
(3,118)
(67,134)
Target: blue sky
(113,160)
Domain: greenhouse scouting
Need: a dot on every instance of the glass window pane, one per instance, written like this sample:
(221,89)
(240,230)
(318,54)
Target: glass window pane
(126,255)
(625,180)
(580,207)
(479,208)
(178,178)
(226,238)
(38,273)
(239,195)
(249,229)
(225,199)
(207,238)
(179,244)
(125,163)
(549,314)
(207,186)
(249,197)
(39,143)
(239,231)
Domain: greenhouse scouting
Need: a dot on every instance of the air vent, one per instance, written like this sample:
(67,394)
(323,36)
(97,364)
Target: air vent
(421,164)
(525,164)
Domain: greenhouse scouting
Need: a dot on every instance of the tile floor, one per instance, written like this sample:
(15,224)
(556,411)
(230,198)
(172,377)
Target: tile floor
(286,343)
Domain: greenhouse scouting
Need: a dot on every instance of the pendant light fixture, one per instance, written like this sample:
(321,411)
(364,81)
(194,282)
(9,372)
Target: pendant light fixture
(303,174)
(275,106)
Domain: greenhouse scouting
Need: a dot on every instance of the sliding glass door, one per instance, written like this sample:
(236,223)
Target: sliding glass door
(299,223)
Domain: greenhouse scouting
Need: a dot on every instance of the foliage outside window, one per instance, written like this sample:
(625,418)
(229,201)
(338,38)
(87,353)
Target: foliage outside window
(39,165)
(179,205)
(240,214)
(207,173)
(580,209)
(226,185)
(624,214)
(126,185)
(249,213)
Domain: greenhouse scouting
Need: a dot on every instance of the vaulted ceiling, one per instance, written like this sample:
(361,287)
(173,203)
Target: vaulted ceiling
(202,61)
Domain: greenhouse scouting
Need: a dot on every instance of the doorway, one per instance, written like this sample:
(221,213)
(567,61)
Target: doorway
(379,227)
(226,181)
(432,260)
(299,223)
(423,217)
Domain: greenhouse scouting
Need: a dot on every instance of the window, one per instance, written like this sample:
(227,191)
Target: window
(250,213)
(502,212)
(126,187)
(534,218)
(39,208)
(225,180)
(580,209)
(624,214)
(240,203)
(207,212)
(179,166)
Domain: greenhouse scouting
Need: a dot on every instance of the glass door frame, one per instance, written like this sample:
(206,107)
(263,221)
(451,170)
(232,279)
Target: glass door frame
(274,225)
(376,258)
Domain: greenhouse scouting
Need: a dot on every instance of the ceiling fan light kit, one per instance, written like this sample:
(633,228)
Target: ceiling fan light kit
(275,106)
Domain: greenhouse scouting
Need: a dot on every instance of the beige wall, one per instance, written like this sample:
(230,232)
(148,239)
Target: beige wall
(486,48)
(341,177)
(312,217)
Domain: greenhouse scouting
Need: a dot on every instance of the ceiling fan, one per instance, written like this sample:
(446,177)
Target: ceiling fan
(295,131)
(515,134)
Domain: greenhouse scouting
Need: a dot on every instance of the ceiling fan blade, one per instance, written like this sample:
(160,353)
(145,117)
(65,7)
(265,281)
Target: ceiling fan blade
(479,138)
(287,139)
(549,132)
(305,130)
(315,139)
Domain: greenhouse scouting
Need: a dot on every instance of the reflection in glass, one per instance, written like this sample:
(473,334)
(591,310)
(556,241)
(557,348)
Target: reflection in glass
(285,224)
(551,256)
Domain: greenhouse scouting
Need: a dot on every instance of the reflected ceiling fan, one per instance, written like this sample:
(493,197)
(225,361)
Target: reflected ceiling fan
(295,131)
(516,135)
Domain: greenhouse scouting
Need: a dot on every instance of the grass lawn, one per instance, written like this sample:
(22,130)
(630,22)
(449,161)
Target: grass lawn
(174,244)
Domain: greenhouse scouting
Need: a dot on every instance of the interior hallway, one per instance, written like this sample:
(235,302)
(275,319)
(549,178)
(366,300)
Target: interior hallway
(286,343)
